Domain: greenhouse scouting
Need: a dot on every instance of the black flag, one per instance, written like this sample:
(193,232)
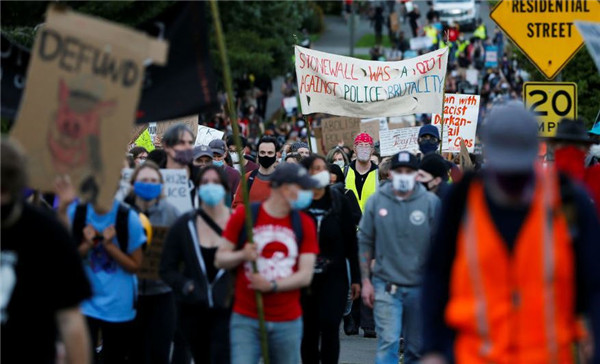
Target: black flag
(186,85)
(15,60)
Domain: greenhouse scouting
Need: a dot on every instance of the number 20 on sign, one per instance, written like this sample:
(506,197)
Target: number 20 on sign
(550,101)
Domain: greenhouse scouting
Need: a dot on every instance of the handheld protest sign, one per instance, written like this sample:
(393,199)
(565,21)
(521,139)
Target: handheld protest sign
(396,140)
(152,254)
(82,90)
(461,113)
(347,86)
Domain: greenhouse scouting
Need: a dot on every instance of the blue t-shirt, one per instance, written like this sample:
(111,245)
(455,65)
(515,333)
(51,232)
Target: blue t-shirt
(114,289)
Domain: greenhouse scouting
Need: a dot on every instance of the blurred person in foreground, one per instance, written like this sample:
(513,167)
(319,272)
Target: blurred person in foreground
(43,282)
(516,248)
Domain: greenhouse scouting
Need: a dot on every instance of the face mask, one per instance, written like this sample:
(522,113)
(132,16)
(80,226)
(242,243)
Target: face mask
(363,154)
(235,158)
(184,157)
(403,182)
(514,184)
(428,146)
(595,150)
(571,161)
(303,200)
(323,179)
(218,163)
(340,163)
(266,162)
(147,191)
(426,185)
(211,194)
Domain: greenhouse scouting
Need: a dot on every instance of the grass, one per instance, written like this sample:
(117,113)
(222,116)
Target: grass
(368,41)
(361,56)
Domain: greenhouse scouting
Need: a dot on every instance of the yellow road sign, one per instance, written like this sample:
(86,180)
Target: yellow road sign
(550,101)
(544,29)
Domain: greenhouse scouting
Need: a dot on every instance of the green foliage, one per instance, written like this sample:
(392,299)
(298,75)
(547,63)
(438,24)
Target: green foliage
(581,70)
(314,18)
(368,41)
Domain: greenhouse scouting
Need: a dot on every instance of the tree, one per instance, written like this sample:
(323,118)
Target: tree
(581,70)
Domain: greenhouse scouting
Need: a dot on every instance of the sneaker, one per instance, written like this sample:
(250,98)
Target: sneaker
(350,327)
(369,333)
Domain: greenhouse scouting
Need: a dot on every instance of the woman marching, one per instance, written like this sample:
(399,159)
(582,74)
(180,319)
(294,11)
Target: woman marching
(324,301)
(187,265)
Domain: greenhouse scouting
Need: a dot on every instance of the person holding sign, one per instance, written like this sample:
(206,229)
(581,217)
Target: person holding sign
(187,265)
(178,142)
(155,319)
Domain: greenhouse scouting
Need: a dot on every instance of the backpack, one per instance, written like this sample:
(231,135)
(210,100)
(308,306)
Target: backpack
(254,210)
(121,225)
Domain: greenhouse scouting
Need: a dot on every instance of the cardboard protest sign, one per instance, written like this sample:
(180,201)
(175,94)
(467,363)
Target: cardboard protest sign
(83,86)
(152,254)
(461,113)
(175,188)
(372,127)
(136,131)
(162,126)
(353,87)
(206,135)
(339,130)
(395,140)
(318,133)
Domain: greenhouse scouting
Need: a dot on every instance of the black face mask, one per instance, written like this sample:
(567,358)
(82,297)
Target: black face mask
(266,162)
(514,184)
(428,146)
(184,157)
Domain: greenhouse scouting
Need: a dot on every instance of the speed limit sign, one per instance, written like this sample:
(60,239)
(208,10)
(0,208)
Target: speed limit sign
(550,101)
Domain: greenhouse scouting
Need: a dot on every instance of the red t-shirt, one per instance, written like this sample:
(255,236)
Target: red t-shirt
(278,258)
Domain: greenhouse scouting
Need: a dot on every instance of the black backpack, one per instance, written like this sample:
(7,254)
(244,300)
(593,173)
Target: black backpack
(121,225)
(296,225)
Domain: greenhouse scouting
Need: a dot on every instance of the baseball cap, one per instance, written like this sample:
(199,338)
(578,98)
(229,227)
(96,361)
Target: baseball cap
(292,173)
(404,159)
(218,146)
(202,151)
(429,129)
(509,136)
(435,165)
(299,145)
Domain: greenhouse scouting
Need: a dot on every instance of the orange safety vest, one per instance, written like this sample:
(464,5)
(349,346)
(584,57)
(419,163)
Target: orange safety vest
(519,307)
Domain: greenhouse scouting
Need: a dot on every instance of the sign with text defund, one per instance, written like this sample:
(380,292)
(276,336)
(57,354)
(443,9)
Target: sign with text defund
(544,29)
(353,87)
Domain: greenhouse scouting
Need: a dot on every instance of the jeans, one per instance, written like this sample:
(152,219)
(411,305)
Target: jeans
(116,340)
(283,339)
(154,328)
(397,313)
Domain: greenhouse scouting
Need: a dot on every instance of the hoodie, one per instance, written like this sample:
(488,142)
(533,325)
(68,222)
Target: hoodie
(398,233)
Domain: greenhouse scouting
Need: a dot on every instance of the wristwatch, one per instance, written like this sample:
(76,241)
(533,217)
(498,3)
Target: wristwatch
(273,286)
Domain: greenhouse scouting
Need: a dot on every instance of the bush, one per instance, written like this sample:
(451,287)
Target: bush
(314,19)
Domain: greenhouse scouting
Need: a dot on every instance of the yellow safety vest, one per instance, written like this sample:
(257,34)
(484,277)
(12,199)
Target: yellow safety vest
(480,32)
(369,187)
(431,32)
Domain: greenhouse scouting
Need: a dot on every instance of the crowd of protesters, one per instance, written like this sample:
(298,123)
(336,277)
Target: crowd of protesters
(441,261)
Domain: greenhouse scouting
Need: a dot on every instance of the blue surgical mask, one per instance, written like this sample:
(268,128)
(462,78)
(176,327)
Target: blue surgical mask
(147,191)
(303,200)
(211,193)
(218,163)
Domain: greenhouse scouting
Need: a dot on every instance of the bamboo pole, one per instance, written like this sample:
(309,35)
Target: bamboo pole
(244,184)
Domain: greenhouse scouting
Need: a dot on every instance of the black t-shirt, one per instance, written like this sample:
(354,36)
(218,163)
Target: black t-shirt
(41,274)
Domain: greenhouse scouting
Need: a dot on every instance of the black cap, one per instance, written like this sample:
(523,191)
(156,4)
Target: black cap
(404,159)
(435,165)
(292,173)
(573,131)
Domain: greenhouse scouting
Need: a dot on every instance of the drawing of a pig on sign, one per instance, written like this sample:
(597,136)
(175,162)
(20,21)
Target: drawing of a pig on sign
(74,135)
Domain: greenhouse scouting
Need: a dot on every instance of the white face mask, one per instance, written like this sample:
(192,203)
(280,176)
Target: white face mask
(595,150)
(340,163)
(235,158)
(323,178)
(363,154)
(403,182)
